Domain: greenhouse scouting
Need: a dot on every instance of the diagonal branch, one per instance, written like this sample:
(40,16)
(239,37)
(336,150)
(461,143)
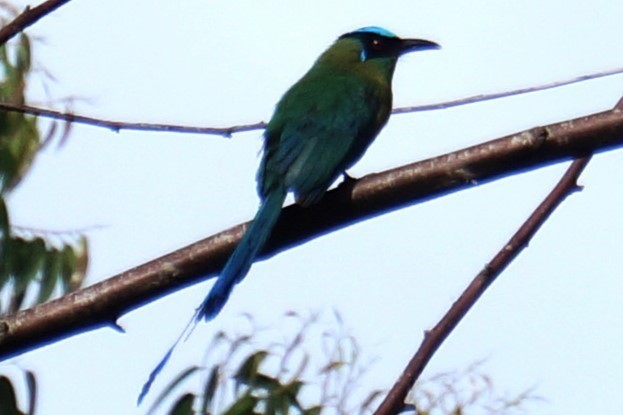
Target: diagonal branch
(28,17)
(118,126)
(102,303)
(394,402)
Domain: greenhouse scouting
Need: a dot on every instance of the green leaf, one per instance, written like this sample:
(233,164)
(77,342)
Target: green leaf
(28,258)
(210,388)
(281,399)
(69,265)
(26,261)
(8,400)
(4,220)
(243,406)
(23,63)
(248,372)
(314,410)
(184,405)
(19,135)
(4,57)
(19,271)
(50,275)
(5,257)
(21,142)
(75,261)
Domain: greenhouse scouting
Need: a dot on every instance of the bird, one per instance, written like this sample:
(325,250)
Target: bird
(321,126)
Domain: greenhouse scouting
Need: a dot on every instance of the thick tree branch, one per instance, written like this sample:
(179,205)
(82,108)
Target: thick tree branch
(394,402)
(101,304)
(118,126)
(28,17)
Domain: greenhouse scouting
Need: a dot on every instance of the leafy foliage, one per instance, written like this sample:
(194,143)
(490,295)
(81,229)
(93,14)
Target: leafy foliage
(19,136)
(251,373)
(465,392)
(274,379)
(282,378)
(33,265)
(56,266)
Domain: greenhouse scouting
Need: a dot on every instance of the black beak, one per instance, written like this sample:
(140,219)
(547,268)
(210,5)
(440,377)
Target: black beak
(413,45)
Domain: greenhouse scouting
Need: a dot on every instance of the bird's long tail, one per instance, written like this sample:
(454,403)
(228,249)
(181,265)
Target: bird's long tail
(243,256)
(234,271)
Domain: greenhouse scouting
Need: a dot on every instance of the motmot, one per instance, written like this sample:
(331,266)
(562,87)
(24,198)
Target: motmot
(321,126)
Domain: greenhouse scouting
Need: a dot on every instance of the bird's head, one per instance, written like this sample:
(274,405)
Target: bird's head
(378,43)
(370,51)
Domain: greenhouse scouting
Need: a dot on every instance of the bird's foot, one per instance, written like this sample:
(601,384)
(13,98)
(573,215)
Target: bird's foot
(348,179)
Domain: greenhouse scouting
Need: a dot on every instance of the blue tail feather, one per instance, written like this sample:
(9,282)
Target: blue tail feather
(243,256)
(234,271)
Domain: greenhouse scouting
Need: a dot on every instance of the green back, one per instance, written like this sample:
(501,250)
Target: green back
(326,121)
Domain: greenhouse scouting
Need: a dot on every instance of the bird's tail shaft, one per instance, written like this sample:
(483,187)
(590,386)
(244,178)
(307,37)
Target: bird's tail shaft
(243,256)
(234,271)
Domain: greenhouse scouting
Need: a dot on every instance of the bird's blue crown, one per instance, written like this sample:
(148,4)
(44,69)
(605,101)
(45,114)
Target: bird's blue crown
(364,35)
(375,30)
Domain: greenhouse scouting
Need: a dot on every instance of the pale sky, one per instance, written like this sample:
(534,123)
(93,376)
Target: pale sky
(553,319)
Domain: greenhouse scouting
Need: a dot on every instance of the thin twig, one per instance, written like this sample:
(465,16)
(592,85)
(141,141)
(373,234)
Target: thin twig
(103,303)
(118,126)
(395,400)
(488,97)
(28,17)
(37,232)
